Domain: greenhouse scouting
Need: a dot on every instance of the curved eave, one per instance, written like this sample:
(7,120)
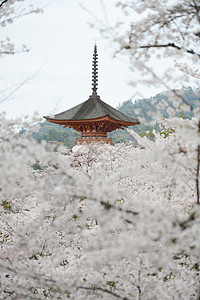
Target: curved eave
(105,118)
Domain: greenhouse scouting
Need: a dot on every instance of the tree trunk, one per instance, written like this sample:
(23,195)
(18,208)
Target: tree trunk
(198,166)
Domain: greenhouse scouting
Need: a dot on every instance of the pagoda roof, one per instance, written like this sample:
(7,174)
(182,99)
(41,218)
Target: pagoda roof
(91,109)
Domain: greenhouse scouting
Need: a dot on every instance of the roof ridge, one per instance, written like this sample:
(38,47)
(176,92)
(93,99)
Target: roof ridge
(100,105)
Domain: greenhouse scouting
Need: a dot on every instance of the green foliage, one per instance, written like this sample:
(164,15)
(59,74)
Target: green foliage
(149,134)
(37,166)
(4,237)
(51,292)
(111,284)
(6,205)
(166,131)
(163,131)
(167,277)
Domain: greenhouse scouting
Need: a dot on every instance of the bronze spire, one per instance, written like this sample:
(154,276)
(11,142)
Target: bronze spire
(95,72)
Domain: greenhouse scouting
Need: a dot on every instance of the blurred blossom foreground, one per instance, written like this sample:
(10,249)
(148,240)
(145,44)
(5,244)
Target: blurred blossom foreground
(101,221)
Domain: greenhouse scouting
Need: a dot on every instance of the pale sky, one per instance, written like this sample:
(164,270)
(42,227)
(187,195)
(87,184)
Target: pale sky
(58,66)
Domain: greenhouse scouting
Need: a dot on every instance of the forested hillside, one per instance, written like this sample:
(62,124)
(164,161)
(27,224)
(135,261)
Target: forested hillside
(143,109)
(146,109)
(54,133)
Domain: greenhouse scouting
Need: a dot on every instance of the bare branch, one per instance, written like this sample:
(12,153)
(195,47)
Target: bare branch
(103,290)
(167,46)
(108,206)
(197,9)
(3,2)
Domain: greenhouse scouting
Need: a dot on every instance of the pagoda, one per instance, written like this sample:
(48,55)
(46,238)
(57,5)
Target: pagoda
(93,117)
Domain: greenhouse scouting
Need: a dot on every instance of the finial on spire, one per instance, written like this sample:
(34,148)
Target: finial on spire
(95,71)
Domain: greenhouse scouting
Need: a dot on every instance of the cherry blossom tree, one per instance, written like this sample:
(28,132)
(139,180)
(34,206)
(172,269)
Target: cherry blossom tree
(101,221)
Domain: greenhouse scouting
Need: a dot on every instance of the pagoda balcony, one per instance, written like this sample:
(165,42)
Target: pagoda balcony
(95,138)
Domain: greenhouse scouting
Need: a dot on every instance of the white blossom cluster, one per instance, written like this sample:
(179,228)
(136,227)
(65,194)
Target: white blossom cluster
(101,222)
(9,11)
(184,67)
